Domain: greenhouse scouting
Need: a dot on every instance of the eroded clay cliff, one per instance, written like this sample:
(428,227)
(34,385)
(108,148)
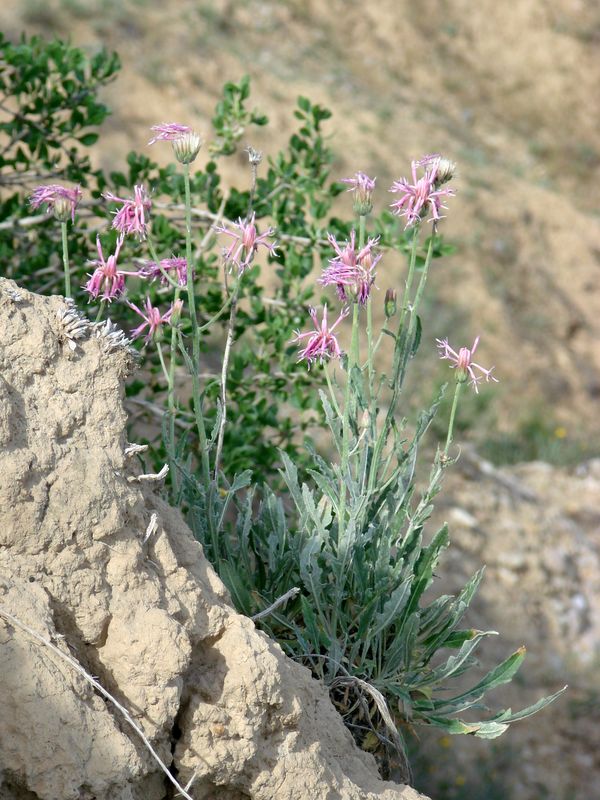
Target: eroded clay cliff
(144,613)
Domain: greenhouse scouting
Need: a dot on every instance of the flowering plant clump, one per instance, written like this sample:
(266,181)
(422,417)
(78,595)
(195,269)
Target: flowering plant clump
(329,550)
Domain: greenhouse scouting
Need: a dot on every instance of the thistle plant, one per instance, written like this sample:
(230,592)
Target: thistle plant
(355,544)
(336,560)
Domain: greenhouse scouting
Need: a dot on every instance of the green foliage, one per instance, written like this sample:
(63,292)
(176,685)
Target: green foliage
(231,118)
(48,118)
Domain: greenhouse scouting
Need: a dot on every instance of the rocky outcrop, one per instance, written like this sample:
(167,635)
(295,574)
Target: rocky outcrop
(136,606)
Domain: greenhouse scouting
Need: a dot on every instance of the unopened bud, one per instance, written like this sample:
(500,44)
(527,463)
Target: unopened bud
(445,171)
(176,312)
(63,209)
(390,305)
(187,147)
(362,188)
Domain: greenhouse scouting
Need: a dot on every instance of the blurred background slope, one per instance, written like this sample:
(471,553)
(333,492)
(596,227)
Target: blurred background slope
(510,92)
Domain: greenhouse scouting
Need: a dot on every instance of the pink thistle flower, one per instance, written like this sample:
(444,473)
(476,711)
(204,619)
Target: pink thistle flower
(246,242)
(59,199)
(153,319)
(131,218)
(351,271)
(422,193)
(322,342)
(186,142)
(363,187)
(107,278)
(152,270)
(169,132)
(464,364)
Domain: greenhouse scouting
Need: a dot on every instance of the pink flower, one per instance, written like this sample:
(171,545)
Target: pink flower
(131,218)
(363,188)
(352,272)
(322,342)
(61,200)
(153,319)
(246,242)
(186,142)
(169,132)
(152,270)
(463,363)
(107,278)
(422,193)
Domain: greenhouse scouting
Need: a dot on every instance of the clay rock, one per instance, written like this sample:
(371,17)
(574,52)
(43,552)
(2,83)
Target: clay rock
(148,617)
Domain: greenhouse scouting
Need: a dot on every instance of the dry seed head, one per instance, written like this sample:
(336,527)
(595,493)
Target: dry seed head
(113,338)
(254,156)
(74,325)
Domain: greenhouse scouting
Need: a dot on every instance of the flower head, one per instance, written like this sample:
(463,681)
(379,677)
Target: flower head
(153,270)
(132,217)
(246,241)
(464,364)
(153,319)
(363,187)
(186,142)
(352,271)
(59,199)
(424,192)
(322,342)
(106,278)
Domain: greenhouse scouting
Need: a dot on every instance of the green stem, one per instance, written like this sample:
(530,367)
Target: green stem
(100,311)
(224,369)
(195,334)
(421,287)
(162,362)
(409,278)
(171,397)
(352,360)
(452,416)
(65,255)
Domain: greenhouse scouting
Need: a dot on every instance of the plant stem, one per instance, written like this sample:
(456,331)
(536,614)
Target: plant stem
(162,363)
(224,368)
(195,334)
(171,396)
(100,311)
(409,277)
(352,360)
(65,255)
(421,287)
(452,416)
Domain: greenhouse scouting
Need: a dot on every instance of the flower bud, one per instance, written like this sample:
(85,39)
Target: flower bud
(62,208)
(445,171)
(186,147)
(390,305)
(176,312)
(362,188)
